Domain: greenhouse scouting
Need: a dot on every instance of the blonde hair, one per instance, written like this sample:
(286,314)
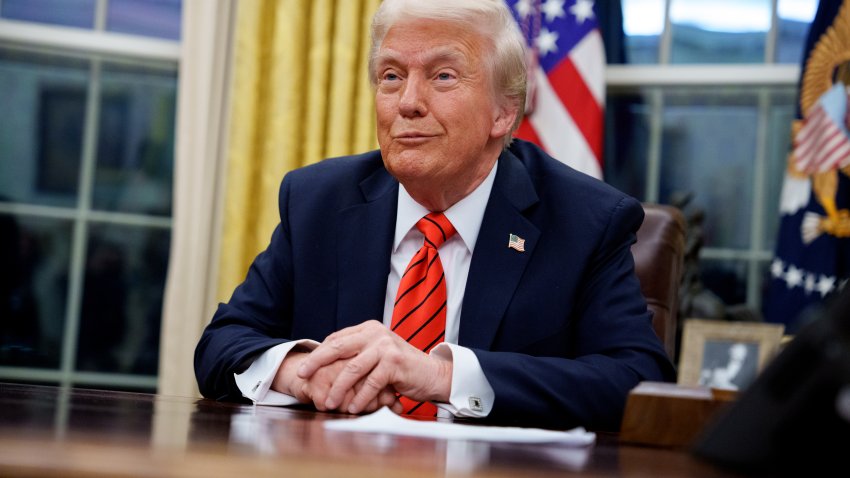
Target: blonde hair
(490,18)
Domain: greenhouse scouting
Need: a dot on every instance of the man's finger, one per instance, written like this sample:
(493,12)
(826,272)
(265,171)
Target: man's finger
(374,384)
(336,346)
(343,407)
(387,398)
(355,370)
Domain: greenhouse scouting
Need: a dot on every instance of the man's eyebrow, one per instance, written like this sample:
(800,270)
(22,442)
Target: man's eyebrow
(434,56)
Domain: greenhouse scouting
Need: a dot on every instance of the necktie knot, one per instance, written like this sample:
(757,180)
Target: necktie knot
(437,229)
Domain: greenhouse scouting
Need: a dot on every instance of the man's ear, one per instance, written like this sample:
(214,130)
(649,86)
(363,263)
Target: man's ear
(506,115)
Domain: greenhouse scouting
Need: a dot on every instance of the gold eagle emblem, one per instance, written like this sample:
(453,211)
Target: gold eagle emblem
(828,64)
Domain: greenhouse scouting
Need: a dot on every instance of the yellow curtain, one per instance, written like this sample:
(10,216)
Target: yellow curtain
(300,94)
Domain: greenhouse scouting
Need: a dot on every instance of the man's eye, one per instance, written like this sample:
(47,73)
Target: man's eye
(444,76)
(390,76)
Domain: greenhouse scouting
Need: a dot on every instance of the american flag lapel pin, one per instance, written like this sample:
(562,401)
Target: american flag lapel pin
(517,243)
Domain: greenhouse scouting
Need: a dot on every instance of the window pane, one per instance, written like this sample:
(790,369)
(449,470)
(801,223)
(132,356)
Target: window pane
(41,128)
(627,119)
(155,18)
(708,147)
(794,17)
(71,13)
(719,31)
(122,299)
(643,22)
(34,258)
(780,116)
(136,140)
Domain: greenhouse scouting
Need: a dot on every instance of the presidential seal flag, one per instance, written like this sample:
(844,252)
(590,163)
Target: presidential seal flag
(566,80)
(812,259)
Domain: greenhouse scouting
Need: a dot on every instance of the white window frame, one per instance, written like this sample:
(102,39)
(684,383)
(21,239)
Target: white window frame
(663,74)
(97,46)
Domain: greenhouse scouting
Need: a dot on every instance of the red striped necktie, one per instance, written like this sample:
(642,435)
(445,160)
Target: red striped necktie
(419,314)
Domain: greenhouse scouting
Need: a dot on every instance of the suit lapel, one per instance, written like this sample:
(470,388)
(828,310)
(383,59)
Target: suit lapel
(496,269)
(365,238)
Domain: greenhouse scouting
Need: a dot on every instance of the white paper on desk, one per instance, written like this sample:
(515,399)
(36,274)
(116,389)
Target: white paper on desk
(385,421)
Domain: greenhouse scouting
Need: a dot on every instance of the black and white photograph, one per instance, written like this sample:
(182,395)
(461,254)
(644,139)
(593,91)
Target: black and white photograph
(726,355)
(728,365)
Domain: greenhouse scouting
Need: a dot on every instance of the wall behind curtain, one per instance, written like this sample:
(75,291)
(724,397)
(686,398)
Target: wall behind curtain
(300,94)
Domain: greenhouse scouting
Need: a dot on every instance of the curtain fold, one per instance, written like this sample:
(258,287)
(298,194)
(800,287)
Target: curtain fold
(300,94)
(201,119)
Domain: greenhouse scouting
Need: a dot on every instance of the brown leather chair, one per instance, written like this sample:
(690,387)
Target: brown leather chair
(659,255)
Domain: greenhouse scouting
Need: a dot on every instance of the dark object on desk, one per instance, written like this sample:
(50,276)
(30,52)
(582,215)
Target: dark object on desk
(796,415)
(658,254)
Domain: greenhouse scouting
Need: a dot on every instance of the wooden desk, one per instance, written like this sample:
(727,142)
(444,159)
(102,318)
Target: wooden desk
(51,431)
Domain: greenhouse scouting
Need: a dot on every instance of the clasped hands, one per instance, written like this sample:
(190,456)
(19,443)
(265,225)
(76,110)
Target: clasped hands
(362,368)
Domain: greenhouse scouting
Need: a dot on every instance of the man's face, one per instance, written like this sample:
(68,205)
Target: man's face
(439,122)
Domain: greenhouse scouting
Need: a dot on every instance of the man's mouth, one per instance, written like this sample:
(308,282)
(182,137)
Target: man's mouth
(413,137)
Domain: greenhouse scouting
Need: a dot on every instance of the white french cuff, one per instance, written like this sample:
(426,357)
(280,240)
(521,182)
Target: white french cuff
(255,382)
(471,394)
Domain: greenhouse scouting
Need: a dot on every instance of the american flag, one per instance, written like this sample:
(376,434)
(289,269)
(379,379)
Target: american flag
(516,242)
(823,142)
(566,102)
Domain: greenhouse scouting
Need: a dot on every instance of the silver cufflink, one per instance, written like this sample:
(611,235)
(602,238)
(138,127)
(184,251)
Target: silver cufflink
(256,387)
(475,404)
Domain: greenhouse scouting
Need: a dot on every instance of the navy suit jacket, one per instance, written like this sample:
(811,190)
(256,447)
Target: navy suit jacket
(561,330)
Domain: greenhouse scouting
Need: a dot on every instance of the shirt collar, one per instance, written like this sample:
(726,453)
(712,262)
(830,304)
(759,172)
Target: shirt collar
(466,215)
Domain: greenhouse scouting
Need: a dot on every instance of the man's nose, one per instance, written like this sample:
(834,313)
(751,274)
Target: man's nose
(414,95)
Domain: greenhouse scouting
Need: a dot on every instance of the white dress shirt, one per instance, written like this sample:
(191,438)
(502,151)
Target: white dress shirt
(471,394)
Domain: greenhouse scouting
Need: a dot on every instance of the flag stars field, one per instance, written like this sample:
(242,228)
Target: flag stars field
(811,282)
(547,42)
(583,10)
(797,277)
(826,285)
(794,277)
(523,8)
(776,268)
(555,9)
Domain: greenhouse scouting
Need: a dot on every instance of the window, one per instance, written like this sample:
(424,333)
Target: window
(703,107)
(86,163)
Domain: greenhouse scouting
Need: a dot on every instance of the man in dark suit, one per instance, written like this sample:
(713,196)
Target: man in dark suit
(541,318)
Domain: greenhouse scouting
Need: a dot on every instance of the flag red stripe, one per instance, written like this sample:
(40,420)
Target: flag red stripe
(839,158)
(527,132)
(811,128)
(814,146)
(816,118)
(822,144)
(817,133)
(832,157)
(808,135)
(828,144)
(578,100)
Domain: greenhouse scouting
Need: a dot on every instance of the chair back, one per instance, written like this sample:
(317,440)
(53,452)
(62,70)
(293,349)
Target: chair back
(659,257)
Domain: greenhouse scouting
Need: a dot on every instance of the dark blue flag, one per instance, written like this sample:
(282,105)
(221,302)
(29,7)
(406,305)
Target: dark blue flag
(812,258)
